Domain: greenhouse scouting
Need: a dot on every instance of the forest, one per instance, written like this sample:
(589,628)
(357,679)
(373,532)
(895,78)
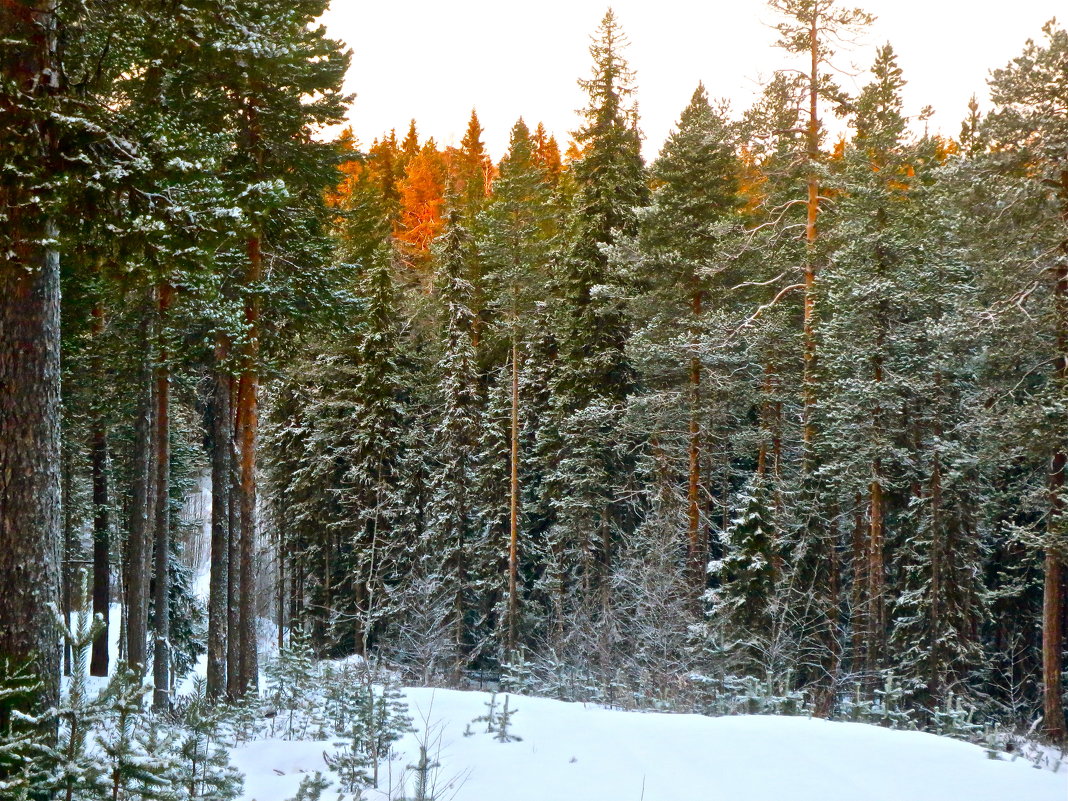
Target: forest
(780,414)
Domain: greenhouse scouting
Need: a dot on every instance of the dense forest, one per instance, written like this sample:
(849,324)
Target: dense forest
(781,413)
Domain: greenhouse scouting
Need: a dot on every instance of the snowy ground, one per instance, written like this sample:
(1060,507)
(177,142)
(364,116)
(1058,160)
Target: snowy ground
(577,752)
(574,752)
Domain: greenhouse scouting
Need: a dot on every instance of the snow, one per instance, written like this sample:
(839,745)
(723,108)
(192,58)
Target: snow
(576,752)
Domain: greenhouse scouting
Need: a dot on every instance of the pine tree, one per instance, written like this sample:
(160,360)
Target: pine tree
(518,230)
(808,28)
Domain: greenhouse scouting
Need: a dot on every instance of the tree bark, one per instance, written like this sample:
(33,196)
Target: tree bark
(233,550)
(161,654)
(30,493)
(247,427)
(98,663)
(137,546)
(513,540)
(220,433)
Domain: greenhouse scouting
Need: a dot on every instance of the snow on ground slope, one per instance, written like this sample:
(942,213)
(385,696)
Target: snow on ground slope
(574,752)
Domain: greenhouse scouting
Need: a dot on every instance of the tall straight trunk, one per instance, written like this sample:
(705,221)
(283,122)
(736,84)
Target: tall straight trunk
(247,428)
(697,552)
(233,550)
(139,537)
(161,653)
(30,494)
(220,433)
(98,663)
(513,540)
(71,555)
(1053,592)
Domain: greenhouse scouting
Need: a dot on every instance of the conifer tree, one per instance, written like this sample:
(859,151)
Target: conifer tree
(30,89)
(452,511)
(518,228)
(584,484)
(1030,129)
(680,261)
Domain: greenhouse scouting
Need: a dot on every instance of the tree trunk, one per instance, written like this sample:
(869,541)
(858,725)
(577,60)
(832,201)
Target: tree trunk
(71,557)
(30,454)
(220,432)
(98,663)
(247,428)
(513,540)
(233,551)
(859,589)
(30,495)
(161,654)
(137,546)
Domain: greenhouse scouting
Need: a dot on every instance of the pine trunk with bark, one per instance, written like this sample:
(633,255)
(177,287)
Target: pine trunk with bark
(98,446)
(233,550)
(30,493)
(161,652)
(220,434)
(513,539)
(138,545)
(247,429)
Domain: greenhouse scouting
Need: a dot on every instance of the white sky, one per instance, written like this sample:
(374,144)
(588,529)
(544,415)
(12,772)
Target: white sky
(436,60)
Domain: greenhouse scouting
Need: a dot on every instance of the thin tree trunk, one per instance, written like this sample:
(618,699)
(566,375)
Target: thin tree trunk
(220,430)
(98,664)
(71,556)
(233,550)
(161,654)
(247,427)
(513,541)
(859,594)
(137,546)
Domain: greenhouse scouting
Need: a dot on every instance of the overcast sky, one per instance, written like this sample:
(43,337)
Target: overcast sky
(435,61)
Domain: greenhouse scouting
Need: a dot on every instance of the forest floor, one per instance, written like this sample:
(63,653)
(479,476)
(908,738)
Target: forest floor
(577,752)
(583,752)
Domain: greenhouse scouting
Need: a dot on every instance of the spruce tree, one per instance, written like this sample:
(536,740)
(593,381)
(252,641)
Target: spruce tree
(589,469)
(452,512)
